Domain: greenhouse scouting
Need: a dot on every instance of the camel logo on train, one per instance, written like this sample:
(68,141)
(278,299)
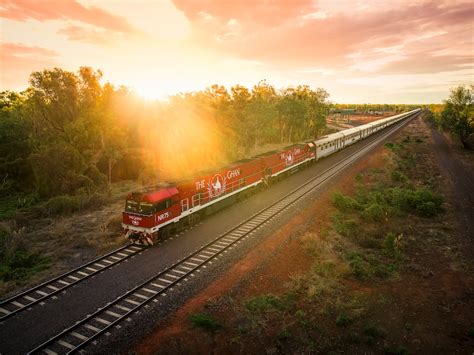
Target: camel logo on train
(216,186)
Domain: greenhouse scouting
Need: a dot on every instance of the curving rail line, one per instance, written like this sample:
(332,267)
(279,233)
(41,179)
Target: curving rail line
(100,322)
(49,288)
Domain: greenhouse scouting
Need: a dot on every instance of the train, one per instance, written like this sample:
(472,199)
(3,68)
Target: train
(169,207)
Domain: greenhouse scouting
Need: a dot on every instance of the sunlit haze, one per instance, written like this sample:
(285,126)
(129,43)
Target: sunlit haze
(359,51)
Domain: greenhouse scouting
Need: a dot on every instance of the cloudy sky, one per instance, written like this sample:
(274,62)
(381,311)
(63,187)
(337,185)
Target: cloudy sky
(395,51)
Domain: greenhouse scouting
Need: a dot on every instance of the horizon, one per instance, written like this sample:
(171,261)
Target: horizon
(371,52)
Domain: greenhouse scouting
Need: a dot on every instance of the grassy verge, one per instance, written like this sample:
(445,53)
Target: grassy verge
(16,263)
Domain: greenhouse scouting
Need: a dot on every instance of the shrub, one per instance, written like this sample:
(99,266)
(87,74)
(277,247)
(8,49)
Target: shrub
(264,303)
(422,202)
(374,331)
(66,204)
(397,176)
(345,227)
(284,335)
(15,262)
(374,212)
(344,203)
(358,266)
(391,245)
(205,322)
(343,320)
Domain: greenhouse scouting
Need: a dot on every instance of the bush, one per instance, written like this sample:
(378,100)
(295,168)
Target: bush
(15,262)
(62,205)
(398,176)
(343,320)
(358,266)
(345,227)
(344,203)
(422,202)
(205,322)
(284,335)
(391,245)
(374,212)
(66,204)
(374,331)
(264,303)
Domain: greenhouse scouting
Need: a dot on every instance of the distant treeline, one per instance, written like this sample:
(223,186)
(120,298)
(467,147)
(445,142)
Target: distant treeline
(456,115)
(70,134)
(368,108)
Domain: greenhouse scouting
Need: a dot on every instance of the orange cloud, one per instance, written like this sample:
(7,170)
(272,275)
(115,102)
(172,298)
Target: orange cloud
(23,10)
(17,59)
(77,33)
(288,34)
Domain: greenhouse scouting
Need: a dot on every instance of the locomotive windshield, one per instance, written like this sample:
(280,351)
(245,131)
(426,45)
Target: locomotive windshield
(146,207)
(139,207)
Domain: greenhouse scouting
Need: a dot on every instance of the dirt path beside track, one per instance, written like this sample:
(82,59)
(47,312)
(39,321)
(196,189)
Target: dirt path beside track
(462,180)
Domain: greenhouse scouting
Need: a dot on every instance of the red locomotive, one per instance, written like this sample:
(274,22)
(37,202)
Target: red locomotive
(169,207)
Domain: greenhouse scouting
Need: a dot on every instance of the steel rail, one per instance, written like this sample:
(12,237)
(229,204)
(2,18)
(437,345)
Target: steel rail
(49,288)
(83,332)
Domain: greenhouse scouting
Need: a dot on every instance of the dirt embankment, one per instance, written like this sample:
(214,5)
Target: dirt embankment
(310,289)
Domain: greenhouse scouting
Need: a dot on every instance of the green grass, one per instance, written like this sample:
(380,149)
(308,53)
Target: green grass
(10,204)
(22,265)
(264,303)
(16,263)
(204,322)
(67,204)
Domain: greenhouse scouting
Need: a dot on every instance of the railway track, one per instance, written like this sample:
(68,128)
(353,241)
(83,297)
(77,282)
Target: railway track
(50,288)
(104,319)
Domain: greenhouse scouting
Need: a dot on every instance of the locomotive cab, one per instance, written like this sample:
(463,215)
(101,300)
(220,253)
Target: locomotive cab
(146,212)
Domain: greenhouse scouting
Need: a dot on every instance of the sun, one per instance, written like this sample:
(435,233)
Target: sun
(151,92)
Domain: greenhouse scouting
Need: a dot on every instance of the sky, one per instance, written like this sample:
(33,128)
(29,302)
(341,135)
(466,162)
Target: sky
(360,51)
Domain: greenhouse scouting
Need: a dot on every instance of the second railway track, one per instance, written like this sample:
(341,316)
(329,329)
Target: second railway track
(100,322)
(50,288)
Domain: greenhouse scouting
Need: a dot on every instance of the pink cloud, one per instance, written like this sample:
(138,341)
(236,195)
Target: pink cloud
(81,34)
(18,61)
(260,12)
(23,10)
(283,34)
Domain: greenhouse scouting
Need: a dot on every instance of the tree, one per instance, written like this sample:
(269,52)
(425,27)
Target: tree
(15,147)
(458,114)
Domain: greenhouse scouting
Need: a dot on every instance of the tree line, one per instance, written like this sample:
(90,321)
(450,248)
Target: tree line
(70,134)
(456,115)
